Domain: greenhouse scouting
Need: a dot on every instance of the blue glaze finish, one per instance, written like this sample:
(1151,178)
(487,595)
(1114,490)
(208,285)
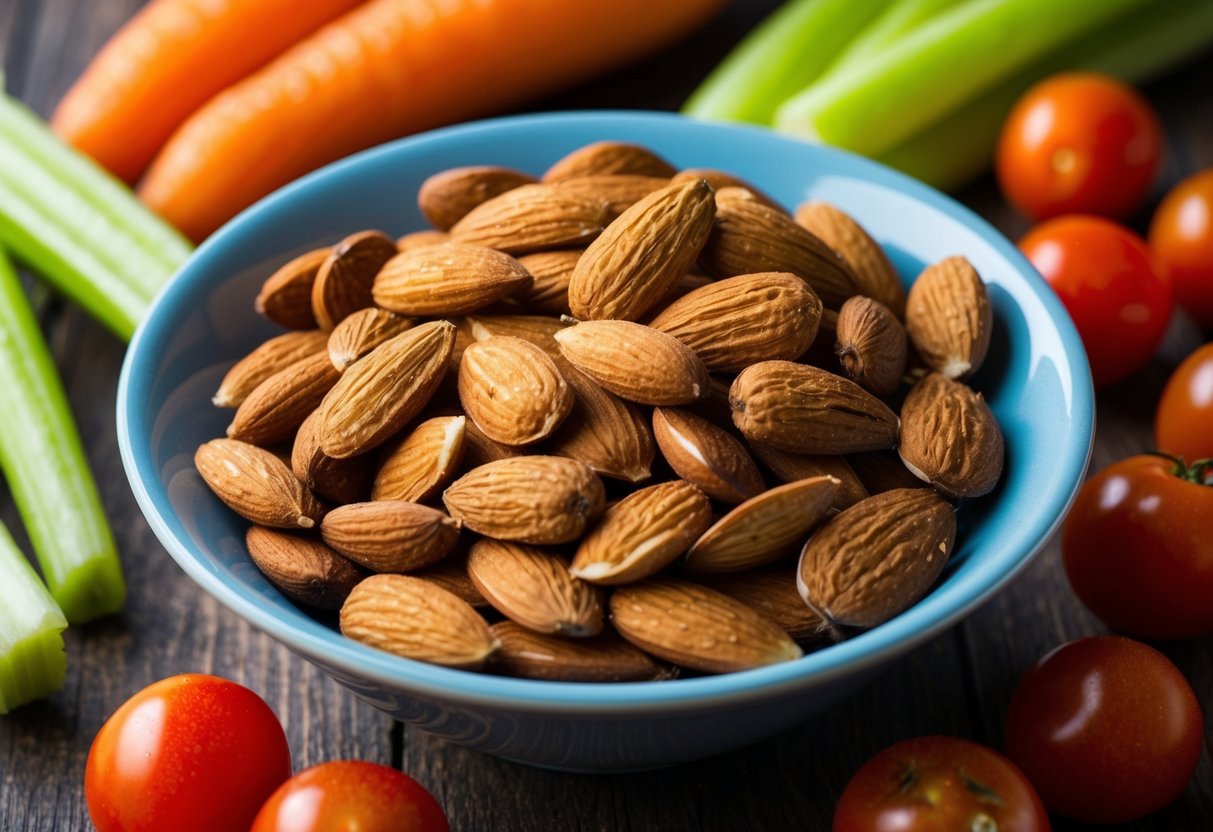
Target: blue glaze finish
(1036,380)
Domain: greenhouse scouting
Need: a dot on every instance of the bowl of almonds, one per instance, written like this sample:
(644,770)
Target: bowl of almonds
(604,441)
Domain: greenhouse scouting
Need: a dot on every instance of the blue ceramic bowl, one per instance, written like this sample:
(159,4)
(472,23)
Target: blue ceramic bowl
(1036,380)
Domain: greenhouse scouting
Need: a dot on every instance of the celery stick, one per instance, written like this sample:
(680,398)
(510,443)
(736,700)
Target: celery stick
(949,60)
(786,52)
(44,464)
(32,661)
(899,19)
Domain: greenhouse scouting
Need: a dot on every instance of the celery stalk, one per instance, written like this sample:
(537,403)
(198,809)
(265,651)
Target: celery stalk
(949,60)
(899,19)
(785,53)
(42,458)
(32,661)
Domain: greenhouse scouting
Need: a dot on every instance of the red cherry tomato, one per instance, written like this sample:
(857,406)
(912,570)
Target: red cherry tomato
(1181,235)
(1183,425)
(1137,549)
(1079,143)
(1114,291)
(935,783)
(1106,728)
(190,753)
(350,795)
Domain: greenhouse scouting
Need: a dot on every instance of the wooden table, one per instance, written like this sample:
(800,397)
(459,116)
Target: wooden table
(957,684)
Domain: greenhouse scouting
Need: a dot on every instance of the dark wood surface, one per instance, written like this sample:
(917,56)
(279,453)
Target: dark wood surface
(958,684)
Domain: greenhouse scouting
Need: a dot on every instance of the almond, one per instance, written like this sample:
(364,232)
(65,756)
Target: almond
(772,591)
(286,296)
(479,449)
(550,273)
(256,485)
(343,283)
(276,408)
(873,272)
(416,467)
(451,573)
(414,618)
(643,533)
(765,528)
(390,535)
(706,456)
(276,354)
(528,499)
(619,191)
(733,323)
(878,557)
(948,317)
(533,218)
(871,345)
(305,570)
(339,480)
(604,658)
(447,279)
(512,390)
(361,332)
(535,329)
(609,435)
(950,438)
(696,627)
(792,467)
(609,159)
(445,198)
(640,256)
(881,471)
(720,179)
(534,588)
(635,362)
(417,239)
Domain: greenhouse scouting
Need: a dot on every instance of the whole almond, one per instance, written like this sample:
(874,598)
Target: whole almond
(286,296)
(609,158)
(620,190)
(721,179)
(802,409)
(765,528)
(256,485)
(792,467)
(751,237)
(878,557)
(276,354)
(733,323)
(535,329)
(512,390)
(771,591)
(604,658)
(643,533)
(446,197)
(534,588)
(478,449)
(871,345)
(343,282)
(361,332)
(339,480)
(528,499)
(635,362)
(305,570)
(609,435)
(533,218)
(417,239)
(390,535)
(377,395)
(948,317)
(447,279)
(640,256)
(417,619)
(696,627)
(549,287)
(707,456)
(869,264)
(881,471)
(950,438)
(276,408)
(416,467)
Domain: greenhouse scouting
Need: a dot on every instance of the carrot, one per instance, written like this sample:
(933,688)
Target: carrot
(169,60)
(386,69)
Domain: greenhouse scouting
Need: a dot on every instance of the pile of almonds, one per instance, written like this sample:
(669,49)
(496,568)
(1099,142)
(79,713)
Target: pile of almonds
(607,409)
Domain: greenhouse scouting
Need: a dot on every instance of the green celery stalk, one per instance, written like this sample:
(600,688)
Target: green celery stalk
(42,458)
(899,19)
(784,54)
(32,661)
(1136,48)
(947,61)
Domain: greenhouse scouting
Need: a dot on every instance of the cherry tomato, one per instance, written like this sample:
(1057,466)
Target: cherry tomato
(1106,728)
(1183,424)
(1111,286)
(350,795)
(934,783)
(187,753)
(1079,143)
(1137,549)
(1181,235)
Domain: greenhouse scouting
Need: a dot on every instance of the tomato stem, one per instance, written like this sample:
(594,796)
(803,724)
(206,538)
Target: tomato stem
(1197,472)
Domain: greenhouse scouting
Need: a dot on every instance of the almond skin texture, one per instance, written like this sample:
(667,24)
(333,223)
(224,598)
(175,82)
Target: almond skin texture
(707,456)
(877,558)
(642,255)
(445,198)
(609,435)
(696,627)
(528,499)
(772,591)
(512,390)
(619,190)
(606,658)
(643,533)
(390,535)
(534,329)
(871,345)
(609,159)
(451,573)
(948,317)
(417,619)
(802,409)
(881,471)
(276,408)
(534,588)
(305,570)
(339,480)
(417,239)
(343,283)
(533,218)
(950,438)
(361,332)
(286,296)
(478,449)
(721,179)
(551,272)
(793,467)
(256,485)
(447,279)
(635,362)
(733,323)
(416,467)
(869,264)
(276,354)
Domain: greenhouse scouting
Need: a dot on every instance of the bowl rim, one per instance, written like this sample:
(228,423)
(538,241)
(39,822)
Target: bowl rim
(928,618)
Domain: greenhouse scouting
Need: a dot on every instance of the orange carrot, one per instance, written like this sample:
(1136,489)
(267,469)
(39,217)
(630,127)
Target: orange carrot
(386,69)
(168,61)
